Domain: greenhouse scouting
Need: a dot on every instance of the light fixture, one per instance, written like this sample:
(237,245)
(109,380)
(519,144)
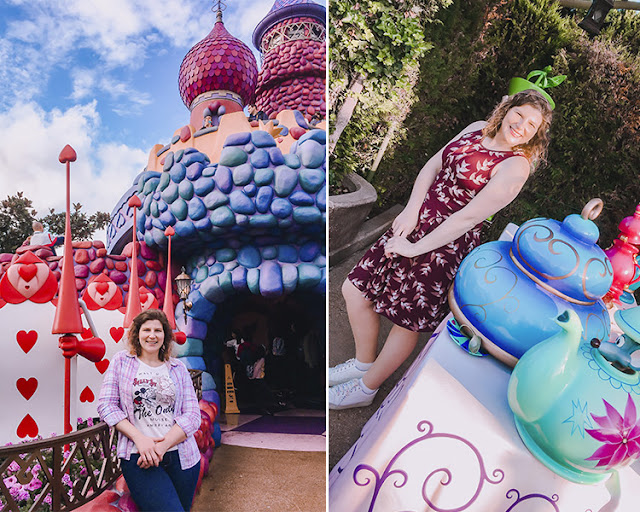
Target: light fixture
(596,15)
(183,282)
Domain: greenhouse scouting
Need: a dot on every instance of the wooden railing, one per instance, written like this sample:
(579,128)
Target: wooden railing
(196,377)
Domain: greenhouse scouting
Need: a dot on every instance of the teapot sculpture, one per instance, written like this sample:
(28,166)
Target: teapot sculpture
(506,292)
(576,404)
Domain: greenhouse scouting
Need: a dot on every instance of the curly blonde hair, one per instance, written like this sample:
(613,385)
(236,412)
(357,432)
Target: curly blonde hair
(134,333)
(536,149)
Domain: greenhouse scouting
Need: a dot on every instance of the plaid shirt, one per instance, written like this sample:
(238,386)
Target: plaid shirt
(116,404)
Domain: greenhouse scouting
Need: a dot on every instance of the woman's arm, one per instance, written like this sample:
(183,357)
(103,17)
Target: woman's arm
(144,444)
(501,189)
(406,222)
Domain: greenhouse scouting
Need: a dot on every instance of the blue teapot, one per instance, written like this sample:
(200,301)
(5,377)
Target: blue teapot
(576,410)
(507,292)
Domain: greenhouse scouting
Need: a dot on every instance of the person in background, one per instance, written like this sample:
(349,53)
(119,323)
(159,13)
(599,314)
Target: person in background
(42,237)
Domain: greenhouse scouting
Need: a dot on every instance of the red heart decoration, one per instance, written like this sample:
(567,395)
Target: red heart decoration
(87,395)
(26,340)
(116,333)
(87,333)
(27,427)
(27,387)
(67,155)
(102,288)
(27,271)
(102,365)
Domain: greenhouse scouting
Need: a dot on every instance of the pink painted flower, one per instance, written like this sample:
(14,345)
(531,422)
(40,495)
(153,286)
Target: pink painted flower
(621,436)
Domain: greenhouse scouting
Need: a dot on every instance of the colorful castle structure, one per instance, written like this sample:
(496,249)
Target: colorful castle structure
(245,197)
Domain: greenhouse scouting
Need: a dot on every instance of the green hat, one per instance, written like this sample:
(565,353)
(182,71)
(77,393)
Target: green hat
(543,82)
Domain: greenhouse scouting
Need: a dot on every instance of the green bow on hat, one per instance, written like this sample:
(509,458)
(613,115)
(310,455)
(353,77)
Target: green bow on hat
(543,81)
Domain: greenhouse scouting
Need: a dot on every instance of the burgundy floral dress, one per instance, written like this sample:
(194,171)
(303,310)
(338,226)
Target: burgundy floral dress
(411,292)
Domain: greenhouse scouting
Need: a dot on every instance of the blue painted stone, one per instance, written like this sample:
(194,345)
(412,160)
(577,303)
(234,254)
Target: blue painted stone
(150,185)
(146,222)
(263,176)
(260,158)
(238,139)
(281,208)
(224,179)
(146,205)
(178,155)
(194,171)
(284,132)
(190,150)
(203,186)
(301,198)
(242,174)
(276,156)
(249,148)
(225,282)
(203,224)
(208,395)
(285,180)
(185,189)
(156,195)
(197,210)
(202,309)
(263,221)
(269,252)
(311,180)
(308,275)
(225,254)
(191,347)
(222,217)
(319,136)
(215,199)
(262,139)
(168,161)
(321,199)
(232,156)
(165,179)
(179,208)
(294,148)
(175,139)
(222,110)
(249,257)
(158,236)
(292,160)
(170,194)
(184,228)
(320,261)
(321,286)
(167,218)
(309,250)
(253,280)
(311,153)
(208,384)
(285,223)
(250,189)
(230,265)
(239,278)
(242,220)
(154,209)
(210,170)
(156,223)
(307,215)
(210,289)
(211,259)
(178,172)
(271,279)
(215,269)
(202,274)
(289,277)
(204,131)
(194,363)
(263,199)
(194,157)
(287,254)
(302,122)
(163,149)
(148,238)
(240,203)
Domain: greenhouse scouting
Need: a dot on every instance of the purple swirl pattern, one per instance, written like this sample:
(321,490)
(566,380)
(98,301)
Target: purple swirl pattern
(400,476)
(519,499)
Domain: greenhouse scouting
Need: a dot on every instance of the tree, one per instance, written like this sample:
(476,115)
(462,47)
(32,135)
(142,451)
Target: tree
(82,225)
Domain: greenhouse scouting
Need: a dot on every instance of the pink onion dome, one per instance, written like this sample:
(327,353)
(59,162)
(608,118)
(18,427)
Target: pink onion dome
(220,62)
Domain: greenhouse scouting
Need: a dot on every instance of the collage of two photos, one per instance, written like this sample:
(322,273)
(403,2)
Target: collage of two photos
(307,255)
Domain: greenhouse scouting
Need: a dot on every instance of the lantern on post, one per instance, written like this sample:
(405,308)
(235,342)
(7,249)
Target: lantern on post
(596,15)
(183,282)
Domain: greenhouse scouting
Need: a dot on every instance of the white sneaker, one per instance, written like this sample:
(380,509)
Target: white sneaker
(344,372)
(349,394)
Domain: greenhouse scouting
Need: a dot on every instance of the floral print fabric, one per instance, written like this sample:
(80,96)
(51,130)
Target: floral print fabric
(411,292)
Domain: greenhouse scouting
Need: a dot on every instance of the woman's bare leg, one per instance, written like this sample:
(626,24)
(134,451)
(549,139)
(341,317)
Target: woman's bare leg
(365,323)
(399,345)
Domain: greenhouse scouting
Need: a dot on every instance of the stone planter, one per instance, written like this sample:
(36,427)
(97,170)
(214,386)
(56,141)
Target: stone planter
(347,212)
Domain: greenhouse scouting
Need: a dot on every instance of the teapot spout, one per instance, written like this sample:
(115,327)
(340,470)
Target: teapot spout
(546,370)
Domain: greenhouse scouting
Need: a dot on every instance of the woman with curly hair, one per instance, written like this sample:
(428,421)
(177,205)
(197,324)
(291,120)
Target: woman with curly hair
(150,399)
(406,274)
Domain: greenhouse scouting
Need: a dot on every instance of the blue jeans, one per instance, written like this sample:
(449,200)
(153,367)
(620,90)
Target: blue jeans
(166,488)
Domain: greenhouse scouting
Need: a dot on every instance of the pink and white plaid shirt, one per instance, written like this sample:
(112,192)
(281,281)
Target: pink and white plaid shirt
(116,404)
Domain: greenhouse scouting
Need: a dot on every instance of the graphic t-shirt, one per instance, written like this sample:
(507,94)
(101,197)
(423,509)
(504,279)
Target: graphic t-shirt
(154,396)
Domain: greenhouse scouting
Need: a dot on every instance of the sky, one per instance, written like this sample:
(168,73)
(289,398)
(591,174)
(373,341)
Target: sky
(102,76)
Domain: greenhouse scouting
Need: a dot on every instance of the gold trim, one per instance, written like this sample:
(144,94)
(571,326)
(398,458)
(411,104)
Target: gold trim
(551,290)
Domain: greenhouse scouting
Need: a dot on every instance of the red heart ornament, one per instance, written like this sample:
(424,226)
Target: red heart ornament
(102,365)
(26,340)
(102,288)
(27,387)
(28,271)
(116,333)
(87,395)
(28,427)
(67,155)
(87,333)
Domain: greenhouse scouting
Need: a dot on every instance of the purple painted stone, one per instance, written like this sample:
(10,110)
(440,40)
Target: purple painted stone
(194,328)
(270,279)
(276,156)
(96,266)
(147,253)
(43,253)
(81,271)
(194,170)
(52,265)
(118,277)
(5,257)
(91,253)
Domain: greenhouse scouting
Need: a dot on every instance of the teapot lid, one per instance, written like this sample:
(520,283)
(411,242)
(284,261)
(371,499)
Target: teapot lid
(563,256)
(629,321)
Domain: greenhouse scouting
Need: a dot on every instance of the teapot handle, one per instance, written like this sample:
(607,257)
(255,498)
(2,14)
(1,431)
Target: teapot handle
(592,209)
